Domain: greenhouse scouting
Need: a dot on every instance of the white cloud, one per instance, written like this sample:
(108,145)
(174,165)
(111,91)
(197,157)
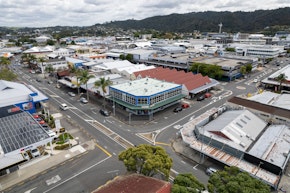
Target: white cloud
(43,13)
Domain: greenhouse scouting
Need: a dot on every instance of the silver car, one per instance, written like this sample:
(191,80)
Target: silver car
(83,100)
(71,94)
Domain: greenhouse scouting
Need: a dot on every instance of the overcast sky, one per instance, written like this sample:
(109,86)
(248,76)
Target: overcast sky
(46,13)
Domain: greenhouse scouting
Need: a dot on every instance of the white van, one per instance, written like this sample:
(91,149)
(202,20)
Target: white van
(210,170)
(63,106)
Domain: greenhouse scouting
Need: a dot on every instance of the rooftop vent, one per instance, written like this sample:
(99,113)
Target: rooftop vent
(242,144)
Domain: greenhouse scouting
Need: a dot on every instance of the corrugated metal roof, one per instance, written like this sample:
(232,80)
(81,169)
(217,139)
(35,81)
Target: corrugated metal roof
(189,138)
(260,107)
(241,127)
(273,144)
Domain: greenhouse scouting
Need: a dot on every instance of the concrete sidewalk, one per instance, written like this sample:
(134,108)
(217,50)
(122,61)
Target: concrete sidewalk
(39,165)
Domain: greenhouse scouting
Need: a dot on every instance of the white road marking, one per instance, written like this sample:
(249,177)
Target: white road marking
(76,175)
(53,180)
(28,191)
(194,167)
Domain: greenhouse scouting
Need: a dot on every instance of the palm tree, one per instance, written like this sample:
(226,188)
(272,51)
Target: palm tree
(281,78)
(31,61)
(78,73)
(42,60)
(103,83)
(84,78)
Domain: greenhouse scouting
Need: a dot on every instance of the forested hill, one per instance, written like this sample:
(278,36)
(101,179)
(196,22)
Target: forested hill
(208,21)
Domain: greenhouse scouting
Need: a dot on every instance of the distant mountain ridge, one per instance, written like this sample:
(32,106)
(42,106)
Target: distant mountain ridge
(208,21)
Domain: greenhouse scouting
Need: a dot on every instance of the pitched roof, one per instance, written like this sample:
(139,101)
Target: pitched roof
(260,107)
(135,183)
(190,80)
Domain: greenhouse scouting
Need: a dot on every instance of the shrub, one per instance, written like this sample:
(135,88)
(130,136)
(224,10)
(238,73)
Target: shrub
(61,147)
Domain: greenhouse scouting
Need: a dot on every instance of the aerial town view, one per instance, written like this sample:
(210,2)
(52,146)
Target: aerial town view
(145,96)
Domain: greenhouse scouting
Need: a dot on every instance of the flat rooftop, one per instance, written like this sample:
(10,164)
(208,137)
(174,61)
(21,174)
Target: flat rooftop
(145,87)
(223,62)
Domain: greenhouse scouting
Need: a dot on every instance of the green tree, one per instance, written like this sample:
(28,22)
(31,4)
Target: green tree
(281,78)
(103,83)
(6,74)
(122,57)
(231,180)
(5,62)
(186,183)
(30,60)
(230,49)
(129,57)
(84,78)
(147,160)
(249,68)
(50,42)
(243,70)
(213,71)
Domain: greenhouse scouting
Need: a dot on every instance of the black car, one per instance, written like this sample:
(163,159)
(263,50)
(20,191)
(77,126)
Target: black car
(177,109)
(200,98)
(105,112)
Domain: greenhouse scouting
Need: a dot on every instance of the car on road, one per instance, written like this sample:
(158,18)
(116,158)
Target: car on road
(84,100)
(71,94)
(105,112)
(35,152)
(49,82)
(177,109)
(63,106)
(38,80)
(255,80)
(185,106)
(200,98)
(210,170)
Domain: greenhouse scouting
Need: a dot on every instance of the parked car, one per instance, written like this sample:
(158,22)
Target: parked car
(63,106)
(49,82)
(207,95)
(25,156)
(84,100)
(38,80)
(105,112)
(200,98)
(71,94)
(185,106)
(35,152)
(177,109)
(210,170)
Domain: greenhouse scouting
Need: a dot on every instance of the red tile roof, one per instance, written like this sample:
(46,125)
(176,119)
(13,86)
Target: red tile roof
(135,183)
(190,80)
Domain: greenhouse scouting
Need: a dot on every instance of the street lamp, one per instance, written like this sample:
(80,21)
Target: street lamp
(198,69)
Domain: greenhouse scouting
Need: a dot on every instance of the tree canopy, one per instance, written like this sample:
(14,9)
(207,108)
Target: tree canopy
(213,71)
(231,180)
(147,160)
(84,78)
(186,183)
(281,78)
(6,74)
